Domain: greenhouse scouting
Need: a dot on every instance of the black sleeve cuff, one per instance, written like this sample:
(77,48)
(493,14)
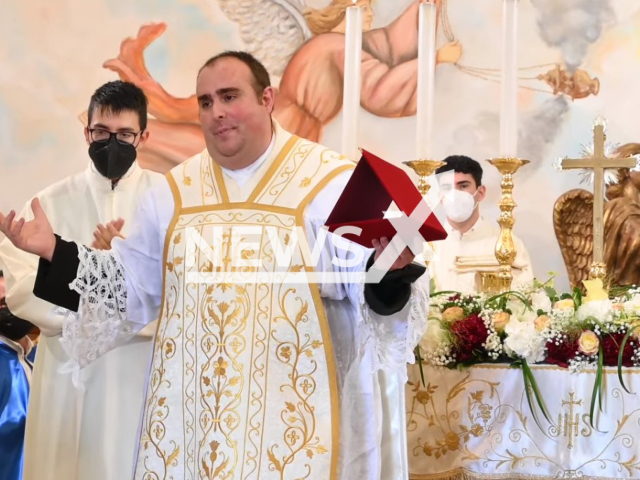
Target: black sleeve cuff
(394,290)
(53,278)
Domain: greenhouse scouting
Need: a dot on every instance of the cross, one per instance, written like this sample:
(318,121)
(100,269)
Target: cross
(598,163)
(571,426)
(567,426)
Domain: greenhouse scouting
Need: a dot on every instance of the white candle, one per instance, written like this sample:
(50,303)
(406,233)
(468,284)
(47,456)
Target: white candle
(351,93)
(426,78)
(509,87)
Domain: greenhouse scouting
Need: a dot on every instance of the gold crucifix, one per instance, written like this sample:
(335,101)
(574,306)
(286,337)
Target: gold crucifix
(598,163)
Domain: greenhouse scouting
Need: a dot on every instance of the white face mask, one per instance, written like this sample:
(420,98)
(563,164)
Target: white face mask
(459,206)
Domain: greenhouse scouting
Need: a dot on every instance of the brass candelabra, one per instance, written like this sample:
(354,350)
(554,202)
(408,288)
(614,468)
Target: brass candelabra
(424,168)
(505,248)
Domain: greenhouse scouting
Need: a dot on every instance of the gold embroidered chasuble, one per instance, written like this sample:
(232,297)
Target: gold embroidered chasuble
(242,382)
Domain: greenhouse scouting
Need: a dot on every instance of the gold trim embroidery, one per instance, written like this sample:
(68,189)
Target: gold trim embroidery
(288,172)
(282,155)
(219,180)
(153,433)
(321,184)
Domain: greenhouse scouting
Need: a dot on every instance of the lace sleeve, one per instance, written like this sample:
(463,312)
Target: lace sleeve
(101,321)
(391,340)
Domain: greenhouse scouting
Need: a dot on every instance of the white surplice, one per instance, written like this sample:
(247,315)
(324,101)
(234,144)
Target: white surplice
(453,267)
(371,364)
(87,432)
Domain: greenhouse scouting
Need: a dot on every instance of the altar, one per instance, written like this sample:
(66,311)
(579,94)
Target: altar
(477,424)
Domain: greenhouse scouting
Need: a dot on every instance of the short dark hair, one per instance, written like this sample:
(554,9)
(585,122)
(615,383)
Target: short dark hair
(260,75)
(462,164)
(118,96)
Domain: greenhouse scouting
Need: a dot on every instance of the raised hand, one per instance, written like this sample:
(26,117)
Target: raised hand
(35,236)
(104,234)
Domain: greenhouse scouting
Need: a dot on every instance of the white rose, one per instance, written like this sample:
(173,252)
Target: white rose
(588,343)
(434,338)
(564,304)
(541,322)
(500,320)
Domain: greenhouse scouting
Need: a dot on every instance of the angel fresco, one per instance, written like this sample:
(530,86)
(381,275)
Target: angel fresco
(305,47)
(573,223)
(310,92)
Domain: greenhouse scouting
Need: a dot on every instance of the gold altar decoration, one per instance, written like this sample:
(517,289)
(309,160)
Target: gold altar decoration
(488,282)
(597,162)
(424,168)
(505,248)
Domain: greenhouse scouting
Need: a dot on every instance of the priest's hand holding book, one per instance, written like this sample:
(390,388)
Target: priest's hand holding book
(404,259)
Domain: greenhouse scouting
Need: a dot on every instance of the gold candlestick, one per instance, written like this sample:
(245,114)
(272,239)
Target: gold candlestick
(505,248)
(424,168)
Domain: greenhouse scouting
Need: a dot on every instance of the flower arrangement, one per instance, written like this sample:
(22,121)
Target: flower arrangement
(536,325)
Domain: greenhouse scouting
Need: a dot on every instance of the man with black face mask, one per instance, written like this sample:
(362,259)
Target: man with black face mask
(87,428)
(16,356)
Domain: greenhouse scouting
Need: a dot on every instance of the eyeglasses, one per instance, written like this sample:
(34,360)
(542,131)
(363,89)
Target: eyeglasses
(103,136)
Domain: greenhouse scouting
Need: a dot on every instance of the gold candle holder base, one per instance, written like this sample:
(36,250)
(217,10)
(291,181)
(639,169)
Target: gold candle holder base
(598,270)
(488,282)
(424,168)
(505,248)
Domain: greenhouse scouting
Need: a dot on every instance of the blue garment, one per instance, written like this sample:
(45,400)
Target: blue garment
(14,397)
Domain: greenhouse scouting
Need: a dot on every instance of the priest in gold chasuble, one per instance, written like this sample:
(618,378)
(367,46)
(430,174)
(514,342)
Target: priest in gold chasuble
(270,360)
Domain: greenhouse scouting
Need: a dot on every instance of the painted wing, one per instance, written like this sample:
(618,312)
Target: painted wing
(272,30)
(573,224)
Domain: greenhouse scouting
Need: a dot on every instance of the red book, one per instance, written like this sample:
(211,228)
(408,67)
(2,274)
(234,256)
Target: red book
(374,184)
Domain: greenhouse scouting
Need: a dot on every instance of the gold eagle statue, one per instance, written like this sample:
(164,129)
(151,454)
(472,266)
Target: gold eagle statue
(573,225)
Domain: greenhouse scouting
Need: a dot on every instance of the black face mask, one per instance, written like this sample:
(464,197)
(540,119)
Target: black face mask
(112,159)
(12,327)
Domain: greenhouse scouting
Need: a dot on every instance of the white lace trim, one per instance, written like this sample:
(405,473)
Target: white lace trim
(100,323)
(418,317)
(391,340)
